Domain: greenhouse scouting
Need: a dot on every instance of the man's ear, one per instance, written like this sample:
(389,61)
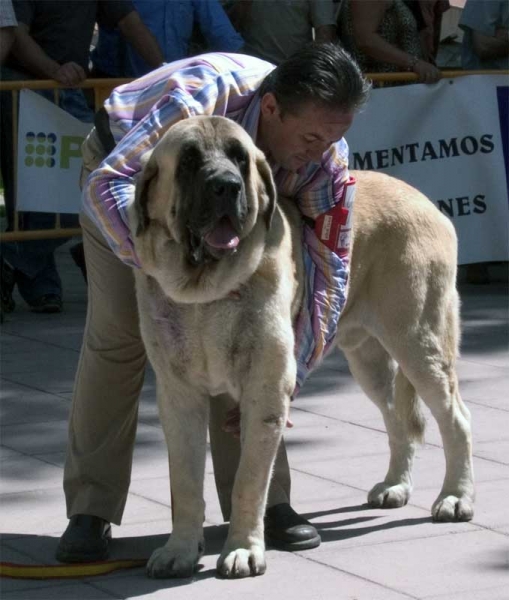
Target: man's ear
(268,105)
(141,198)
(270,188)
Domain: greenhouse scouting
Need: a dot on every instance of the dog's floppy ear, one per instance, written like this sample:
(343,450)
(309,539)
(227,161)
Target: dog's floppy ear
(270,188)
(149,171)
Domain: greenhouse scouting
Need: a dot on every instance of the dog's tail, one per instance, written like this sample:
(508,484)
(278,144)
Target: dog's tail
(409,407)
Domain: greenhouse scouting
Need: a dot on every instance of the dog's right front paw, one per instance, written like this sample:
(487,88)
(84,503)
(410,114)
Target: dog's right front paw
(173,561)
(384,495)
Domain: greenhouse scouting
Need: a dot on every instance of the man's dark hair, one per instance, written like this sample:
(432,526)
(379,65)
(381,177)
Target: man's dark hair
(324,74)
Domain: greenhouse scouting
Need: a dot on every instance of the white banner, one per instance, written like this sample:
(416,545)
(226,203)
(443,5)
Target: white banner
(445,139)
(49,156)
(448,140)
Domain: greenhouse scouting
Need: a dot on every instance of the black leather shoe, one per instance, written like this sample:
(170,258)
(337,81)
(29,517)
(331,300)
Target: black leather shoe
(86,539)
(286,530)
(49,303)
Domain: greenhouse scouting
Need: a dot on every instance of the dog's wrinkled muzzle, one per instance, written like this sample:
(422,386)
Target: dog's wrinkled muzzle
(215,230)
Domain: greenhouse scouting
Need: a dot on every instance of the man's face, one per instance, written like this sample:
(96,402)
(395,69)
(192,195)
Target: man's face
(294,140)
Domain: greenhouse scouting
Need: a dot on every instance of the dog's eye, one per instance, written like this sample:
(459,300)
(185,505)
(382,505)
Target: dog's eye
(190,159)
(236,152)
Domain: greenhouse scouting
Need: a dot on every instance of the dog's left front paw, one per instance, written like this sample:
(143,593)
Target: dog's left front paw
(452,508)
(242,562)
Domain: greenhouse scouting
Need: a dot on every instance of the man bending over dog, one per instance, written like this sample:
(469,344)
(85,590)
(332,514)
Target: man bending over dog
(297,114)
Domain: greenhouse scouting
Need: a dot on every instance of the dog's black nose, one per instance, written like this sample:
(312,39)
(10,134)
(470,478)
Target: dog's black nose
(225,186)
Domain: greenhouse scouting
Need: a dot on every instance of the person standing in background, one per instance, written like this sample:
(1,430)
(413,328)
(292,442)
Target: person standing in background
(172,23)
(485,46)
(52,41)
(432,11)
(273,30)
(383,37)
(486,35)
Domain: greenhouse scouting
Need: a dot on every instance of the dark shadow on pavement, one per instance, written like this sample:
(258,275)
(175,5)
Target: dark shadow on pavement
(335,535)
(337,511)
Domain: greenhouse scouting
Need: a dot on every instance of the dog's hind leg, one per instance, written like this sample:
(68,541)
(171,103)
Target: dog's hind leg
(429,360)
(379,377)
(455,501)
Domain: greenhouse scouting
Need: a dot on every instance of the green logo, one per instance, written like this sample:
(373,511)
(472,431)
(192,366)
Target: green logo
(40,150)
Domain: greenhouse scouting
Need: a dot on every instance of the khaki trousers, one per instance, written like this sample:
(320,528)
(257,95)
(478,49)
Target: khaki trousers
(104,413)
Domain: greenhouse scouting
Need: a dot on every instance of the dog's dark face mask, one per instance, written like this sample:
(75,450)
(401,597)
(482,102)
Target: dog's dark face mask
(213,206)
(219,184)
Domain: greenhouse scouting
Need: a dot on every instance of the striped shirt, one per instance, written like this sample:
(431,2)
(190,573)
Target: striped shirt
(140,113)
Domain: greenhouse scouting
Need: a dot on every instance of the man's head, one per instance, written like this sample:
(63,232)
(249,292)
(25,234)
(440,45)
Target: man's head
(308,102)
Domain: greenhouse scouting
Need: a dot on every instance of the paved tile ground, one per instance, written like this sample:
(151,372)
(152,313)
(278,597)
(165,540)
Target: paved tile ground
(338,450)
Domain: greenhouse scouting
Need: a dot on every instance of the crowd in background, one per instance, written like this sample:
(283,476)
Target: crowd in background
(51,39)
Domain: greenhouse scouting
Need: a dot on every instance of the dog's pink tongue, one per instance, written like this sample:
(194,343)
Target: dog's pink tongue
(223,235)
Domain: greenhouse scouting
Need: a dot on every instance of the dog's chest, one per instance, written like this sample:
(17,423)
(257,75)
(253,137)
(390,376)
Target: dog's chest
(207,345)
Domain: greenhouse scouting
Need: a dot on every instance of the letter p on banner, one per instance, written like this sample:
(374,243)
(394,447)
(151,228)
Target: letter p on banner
(70,147)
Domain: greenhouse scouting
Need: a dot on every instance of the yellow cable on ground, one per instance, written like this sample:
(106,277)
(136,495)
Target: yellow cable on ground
(67,571)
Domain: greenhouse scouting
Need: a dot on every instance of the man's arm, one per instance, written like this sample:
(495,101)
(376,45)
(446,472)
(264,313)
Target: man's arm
(487,47)
(216,26)
(141,39)
(6,41)
(8,24)
(33,58)
(238,12)
(482,19)
(323,20)
(366,19)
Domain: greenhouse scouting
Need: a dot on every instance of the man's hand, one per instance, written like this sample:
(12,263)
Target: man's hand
(487,47)
(232,423)
(33,58)
(426,72)
(70,74)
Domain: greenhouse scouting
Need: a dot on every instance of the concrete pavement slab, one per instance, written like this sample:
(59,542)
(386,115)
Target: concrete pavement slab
(448,564)
(491,593)
(26,474)
(36,513)
(22,404)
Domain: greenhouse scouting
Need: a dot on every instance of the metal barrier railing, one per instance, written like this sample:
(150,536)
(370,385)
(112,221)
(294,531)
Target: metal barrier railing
(102,89)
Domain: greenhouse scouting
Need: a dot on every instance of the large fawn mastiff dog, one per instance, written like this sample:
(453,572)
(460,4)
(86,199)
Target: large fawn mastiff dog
(220,283)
